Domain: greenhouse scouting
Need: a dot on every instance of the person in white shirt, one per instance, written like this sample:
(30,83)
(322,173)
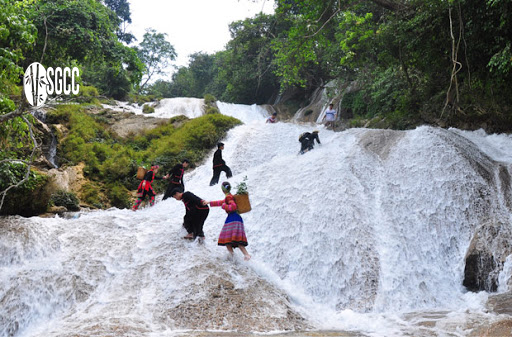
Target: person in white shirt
(272,119)
(330,116)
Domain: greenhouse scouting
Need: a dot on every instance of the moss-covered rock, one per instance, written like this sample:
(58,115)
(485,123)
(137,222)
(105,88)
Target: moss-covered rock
(65,199)
(148,109)
(28,199)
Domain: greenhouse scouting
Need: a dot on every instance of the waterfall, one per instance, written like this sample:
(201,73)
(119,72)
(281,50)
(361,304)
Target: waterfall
(366,233)
(49,147)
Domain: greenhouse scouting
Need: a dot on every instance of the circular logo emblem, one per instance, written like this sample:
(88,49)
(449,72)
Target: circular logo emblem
(35,84)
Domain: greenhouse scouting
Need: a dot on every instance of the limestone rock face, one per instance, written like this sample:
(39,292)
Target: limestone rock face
(69,179)
(486,255)
(257,306)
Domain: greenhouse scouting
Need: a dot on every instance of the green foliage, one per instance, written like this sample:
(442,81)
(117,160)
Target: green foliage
(192,140)
(17,34)
(91,195)
(78,30)
(118,195)
(194,80)
(122,10)
(241,187)
(88,91)
(356,34)
(29,198)
(210,104)
(148,109)
(155,53)
(247,66)
(66,199)
(209,99)
(211,110)
(160,89)
(305,51)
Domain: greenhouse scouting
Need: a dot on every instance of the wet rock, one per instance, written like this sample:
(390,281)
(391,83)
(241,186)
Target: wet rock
(486,255)
(500,303)
(257,306)
(57,209)
(501,328)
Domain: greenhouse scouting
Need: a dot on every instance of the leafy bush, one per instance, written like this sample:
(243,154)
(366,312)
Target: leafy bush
(211,110)
(91,194)
(66,199)
(27,199)
(118,195)
(88,91)
(148,109)
(209,99)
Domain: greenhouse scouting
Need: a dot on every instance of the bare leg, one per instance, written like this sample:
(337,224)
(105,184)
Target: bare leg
(231,256)
(247,257)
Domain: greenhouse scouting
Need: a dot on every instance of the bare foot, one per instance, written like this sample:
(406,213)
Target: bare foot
(247,257)
(189,236)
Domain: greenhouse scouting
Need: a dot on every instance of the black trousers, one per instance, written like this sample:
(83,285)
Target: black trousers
(194,221)
(306,145)
(216,174)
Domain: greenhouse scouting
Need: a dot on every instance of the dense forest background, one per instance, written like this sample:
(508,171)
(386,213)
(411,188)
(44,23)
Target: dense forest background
(406,62)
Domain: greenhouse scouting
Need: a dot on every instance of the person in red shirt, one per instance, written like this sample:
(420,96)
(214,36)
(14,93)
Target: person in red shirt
(145,189)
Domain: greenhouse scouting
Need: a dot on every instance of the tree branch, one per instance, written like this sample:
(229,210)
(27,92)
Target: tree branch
(16,113)
(457,66)
(326,21)
(45,39)
(29,164)
(390,5)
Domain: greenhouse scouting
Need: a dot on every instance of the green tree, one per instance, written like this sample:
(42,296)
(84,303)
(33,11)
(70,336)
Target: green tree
(247,65)
(122,10)
(72,30)
(17,34)
(156,53)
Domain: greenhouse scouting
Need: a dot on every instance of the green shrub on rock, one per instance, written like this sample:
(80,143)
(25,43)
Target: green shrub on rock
(29,198)
(66,199)
(148,109)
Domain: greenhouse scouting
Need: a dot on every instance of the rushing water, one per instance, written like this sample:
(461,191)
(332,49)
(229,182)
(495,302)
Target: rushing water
(366,233)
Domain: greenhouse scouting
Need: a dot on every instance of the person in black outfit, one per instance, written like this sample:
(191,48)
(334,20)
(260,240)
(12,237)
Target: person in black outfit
(307,141)
(219,165)
(196,213)
(175,177)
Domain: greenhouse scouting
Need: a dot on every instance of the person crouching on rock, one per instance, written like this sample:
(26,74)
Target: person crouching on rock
(196,213)
(145,189)
(232,234)
(175,177)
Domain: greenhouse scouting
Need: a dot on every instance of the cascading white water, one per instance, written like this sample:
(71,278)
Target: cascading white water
(367,232)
